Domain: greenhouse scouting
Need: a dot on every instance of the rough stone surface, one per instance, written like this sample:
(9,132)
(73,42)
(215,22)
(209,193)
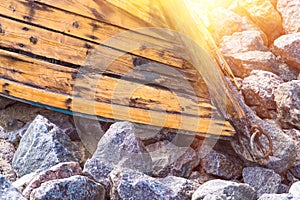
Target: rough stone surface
(295,190)
(16,135)
(8,192)
(7,171)
(295,135)
(182,187)
(42,146)
(201,177)
(226,22)
(264,181)
(21,183)
(169,159)
(222,165)
(118,148)
(284,147)
(7,151)
(226,190)
(278,197)
(287,97)
(129,184)
(286,72)
(258,90)
(243,63)
(241,42)
(264,14)
(75,187)
(60,171)
(288,47)
(290,12)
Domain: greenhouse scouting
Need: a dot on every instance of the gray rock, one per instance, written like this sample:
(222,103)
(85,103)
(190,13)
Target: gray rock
(295,135)
(3,134)
(7,151)
(8,192)
(287,97)
(7,171)
(118,148)
(264,181)
(64,122)
(241,42)
(284,147)
(42,146)
(23,182)
(16,135)
(277,197)
(226,190)
(129,184)
(201,177)
(75,187)
(60,171)
(258,90)
(169,159)
(222,165)
(243,63)
(295,190)
(182,187)
(290,12)
(288,47)
(286,72)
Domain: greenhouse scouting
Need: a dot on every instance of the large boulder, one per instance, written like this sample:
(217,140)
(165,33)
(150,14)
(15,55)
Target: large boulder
(290,12)
(295,134)
(258,90)
(75,187)
(129,184)
(8,192)
(264,181)
(43,146)
(226,190)
(288,47)
(287,98)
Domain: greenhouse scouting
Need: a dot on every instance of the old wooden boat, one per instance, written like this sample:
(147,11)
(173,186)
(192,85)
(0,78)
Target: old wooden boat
(100,58)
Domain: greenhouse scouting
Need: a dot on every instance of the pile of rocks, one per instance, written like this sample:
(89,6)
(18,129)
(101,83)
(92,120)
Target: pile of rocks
(42,157)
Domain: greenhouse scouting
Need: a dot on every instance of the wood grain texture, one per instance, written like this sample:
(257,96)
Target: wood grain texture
(74,51)
(68,81)
(93,30)
(76,104)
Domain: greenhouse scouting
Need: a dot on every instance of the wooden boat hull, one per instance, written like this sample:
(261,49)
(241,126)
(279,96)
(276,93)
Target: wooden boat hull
(45,44)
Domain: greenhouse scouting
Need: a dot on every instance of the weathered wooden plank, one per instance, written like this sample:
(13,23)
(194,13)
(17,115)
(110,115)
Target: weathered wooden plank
(76,104)
(68,81)
(92,30)
(100,10)
(74,51)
